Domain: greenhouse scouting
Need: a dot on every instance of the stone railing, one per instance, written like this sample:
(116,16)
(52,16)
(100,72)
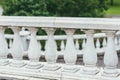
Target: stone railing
(107,42)
(99,41)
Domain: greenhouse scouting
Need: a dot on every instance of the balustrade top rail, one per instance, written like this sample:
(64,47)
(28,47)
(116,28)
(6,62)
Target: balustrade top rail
(61,22)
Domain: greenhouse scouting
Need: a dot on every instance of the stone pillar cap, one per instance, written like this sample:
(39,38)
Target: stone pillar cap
(23,32)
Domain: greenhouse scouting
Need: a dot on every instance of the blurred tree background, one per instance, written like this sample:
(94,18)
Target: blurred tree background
(71,8)
(62,8)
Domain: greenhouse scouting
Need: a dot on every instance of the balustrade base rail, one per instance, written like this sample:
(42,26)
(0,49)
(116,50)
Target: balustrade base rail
(24,73)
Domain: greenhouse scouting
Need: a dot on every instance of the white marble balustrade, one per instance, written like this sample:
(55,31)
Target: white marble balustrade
(88,46)
(25,36)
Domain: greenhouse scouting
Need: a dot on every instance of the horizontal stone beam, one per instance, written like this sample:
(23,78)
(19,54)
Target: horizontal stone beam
(61,22)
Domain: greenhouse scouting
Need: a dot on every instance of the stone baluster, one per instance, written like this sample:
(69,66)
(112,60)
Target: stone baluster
(17,49)
(70,54)
(83,43)
(116,42)
(62,46)
(77,45)
(39,44)
(90,55)
(110,56)
(104,42)
(10,43)
(97,45)
(34,50)
(51,51)
(119,41)
(3,48)
(24,34)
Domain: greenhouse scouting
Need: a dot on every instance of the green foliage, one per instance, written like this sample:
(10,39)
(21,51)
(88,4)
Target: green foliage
(72,8)
(25,7)
(1,2)
(113,9)
(111,2)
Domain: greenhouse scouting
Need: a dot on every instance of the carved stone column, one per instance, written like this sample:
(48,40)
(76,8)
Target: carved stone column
(24,34)
(51,51)
(34,50)
(90,55)
(3,48)
(17,49)
(110,56)
(70,53)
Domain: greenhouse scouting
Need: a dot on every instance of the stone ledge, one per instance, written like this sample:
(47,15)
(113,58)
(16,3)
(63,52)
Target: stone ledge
(61,22)
(34,74)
